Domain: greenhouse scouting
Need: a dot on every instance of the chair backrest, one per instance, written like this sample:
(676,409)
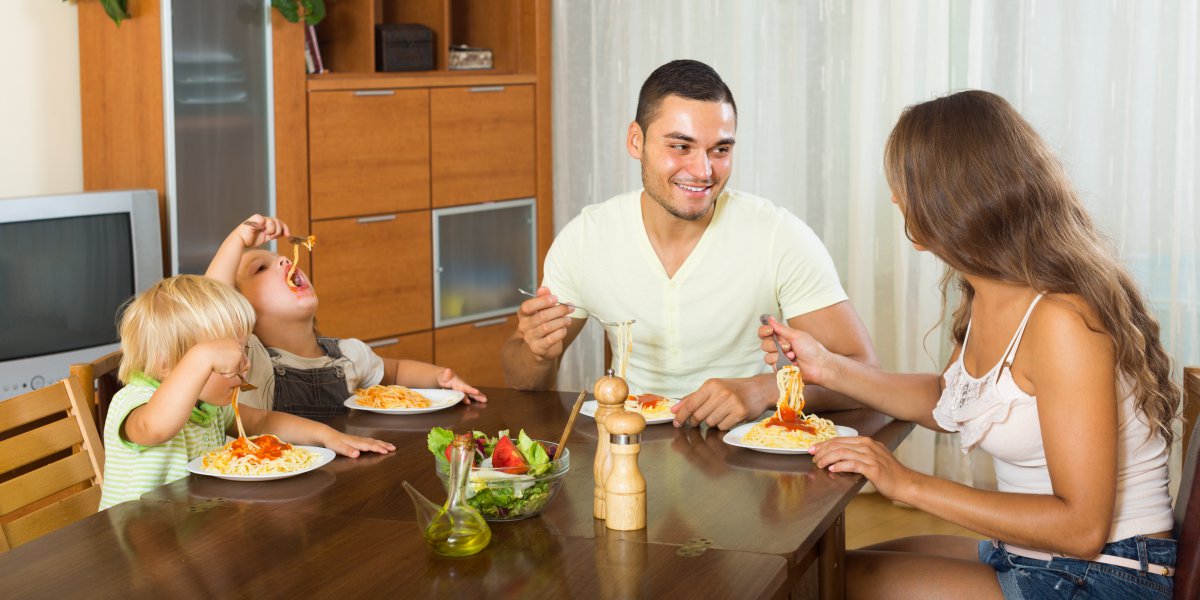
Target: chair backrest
(51,462)
(99,379)
(1187,504)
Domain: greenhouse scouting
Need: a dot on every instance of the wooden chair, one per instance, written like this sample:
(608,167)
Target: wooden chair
(1187,505)
(99,379)
(51,462)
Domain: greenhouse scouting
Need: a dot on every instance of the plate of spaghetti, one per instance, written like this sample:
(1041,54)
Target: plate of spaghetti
(400,400)
(656,409)
(788,430)
(259,458)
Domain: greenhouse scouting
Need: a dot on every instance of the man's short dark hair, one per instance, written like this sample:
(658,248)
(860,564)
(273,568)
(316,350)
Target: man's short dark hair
(689,79)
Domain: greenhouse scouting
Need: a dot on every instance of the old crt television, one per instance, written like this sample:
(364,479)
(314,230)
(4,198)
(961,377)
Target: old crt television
(67,263)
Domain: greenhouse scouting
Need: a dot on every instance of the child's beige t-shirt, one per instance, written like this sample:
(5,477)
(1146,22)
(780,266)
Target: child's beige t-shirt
(754,258)
(362,367)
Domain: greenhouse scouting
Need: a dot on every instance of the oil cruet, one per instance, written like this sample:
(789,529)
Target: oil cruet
(456,529)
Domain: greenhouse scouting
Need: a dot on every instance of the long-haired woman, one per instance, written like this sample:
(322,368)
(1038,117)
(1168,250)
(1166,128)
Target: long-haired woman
(1057,372)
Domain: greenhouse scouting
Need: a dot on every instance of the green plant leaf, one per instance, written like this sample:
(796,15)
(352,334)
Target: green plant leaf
(117,10)
(314,11)
(288,8)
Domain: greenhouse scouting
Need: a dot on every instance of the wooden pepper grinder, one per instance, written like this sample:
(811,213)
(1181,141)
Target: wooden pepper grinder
(625,489)
(610,392)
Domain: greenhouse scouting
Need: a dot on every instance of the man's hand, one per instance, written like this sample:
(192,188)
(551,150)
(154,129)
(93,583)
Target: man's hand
(722,403)
(542,324)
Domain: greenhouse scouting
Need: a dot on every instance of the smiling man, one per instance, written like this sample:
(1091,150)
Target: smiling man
(693,262)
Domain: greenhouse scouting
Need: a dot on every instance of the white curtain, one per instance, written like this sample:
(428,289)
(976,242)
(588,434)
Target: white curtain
(1111,85)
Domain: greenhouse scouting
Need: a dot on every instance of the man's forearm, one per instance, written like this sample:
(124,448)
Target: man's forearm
(523,370)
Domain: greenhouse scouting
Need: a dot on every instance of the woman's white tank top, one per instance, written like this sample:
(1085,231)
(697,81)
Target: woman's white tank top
(992,412)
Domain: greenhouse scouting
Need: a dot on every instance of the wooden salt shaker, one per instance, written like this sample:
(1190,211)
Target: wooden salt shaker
(625,489)
(611,392)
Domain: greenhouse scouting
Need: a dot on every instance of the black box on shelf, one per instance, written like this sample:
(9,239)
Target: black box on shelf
(403,47)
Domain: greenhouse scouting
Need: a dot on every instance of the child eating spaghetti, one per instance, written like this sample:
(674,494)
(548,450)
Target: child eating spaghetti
(183,344)
(296,370)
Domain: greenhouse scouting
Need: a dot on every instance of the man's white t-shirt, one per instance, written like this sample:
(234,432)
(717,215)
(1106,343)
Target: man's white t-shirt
(754,258)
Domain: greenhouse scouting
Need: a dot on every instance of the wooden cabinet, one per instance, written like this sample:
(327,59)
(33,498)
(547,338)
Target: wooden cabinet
(414,346)
(373,275)
(482,144)
(473,349)
(368,152)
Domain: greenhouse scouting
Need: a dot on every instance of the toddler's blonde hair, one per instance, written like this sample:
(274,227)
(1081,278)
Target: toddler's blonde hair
(164,322)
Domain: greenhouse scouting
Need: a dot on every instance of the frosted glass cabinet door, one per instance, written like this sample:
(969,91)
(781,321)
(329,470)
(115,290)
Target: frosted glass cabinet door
(220,131)
(482,254)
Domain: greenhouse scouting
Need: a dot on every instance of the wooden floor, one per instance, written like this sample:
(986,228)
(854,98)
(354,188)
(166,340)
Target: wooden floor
(871,518)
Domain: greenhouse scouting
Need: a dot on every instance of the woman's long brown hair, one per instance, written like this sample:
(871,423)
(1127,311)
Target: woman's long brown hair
(981,190)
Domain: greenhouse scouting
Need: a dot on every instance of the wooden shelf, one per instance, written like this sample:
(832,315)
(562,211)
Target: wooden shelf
(413,79)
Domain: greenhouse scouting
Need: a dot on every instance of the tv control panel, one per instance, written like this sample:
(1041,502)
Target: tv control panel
(10,387)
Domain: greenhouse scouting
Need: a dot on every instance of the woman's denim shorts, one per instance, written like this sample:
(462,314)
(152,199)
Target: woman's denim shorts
(1024,578)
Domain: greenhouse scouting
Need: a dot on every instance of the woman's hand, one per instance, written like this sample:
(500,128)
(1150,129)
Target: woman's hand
(451,381)
(867,457)
(801,348)
(351,445)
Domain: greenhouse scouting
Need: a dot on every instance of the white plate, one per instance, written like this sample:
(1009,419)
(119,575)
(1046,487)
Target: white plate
(589,409)
(324,455)
(735,435)
(438,399)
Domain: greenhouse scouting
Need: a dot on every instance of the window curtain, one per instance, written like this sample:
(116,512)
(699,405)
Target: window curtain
(1110,85)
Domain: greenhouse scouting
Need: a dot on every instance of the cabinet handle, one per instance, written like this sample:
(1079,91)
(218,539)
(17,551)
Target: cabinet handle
(486,88)
(378,219)
(384,342)
(374,92)
(490,322)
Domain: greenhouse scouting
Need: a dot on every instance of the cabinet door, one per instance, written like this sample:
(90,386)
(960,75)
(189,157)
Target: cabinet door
(373,276)
(368,152)
(473,349)
(414,346)
(482,144)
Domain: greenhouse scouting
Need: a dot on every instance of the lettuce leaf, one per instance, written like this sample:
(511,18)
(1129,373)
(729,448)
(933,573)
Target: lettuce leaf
(534,453)
(438,440)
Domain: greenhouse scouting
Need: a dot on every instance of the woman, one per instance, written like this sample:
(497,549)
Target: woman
(1057,372)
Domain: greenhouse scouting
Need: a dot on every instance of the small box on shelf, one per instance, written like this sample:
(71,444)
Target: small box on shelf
(403,47)
(463,57)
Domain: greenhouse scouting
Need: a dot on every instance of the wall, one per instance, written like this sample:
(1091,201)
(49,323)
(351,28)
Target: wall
(40,140)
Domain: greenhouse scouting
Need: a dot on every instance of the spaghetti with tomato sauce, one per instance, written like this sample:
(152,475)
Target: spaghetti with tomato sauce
(649,405)
(261,455)
(789,427)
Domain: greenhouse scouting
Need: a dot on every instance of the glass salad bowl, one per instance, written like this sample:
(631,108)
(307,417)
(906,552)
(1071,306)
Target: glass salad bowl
(512,493)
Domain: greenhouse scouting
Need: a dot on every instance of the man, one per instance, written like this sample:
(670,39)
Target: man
(694,264)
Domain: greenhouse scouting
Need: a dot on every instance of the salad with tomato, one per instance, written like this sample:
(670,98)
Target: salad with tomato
(510,478)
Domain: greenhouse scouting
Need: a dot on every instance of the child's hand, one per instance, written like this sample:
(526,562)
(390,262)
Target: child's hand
(449,380)
(258,230)
(351,445)
(226,357)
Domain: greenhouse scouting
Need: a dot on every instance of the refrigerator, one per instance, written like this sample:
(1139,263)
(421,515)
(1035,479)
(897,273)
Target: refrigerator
(218,122)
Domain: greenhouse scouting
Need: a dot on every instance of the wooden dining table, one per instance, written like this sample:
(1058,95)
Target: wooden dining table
(722,522)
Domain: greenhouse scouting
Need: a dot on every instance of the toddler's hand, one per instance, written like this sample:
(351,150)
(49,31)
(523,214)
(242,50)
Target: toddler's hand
(449,380)
(351,445)
(226,357)
(258,230)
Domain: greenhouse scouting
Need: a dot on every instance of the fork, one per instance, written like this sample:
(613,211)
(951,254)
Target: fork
(246,385)
(292,239)
(783,360)
(596,316)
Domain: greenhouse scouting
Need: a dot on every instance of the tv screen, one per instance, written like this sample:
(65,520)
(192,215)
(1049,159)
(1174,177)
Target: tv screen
(63,280)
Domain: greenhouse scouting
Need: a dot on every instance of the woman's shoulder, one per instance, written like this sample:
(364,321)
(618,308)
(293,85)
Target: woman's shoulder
(1064,327)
